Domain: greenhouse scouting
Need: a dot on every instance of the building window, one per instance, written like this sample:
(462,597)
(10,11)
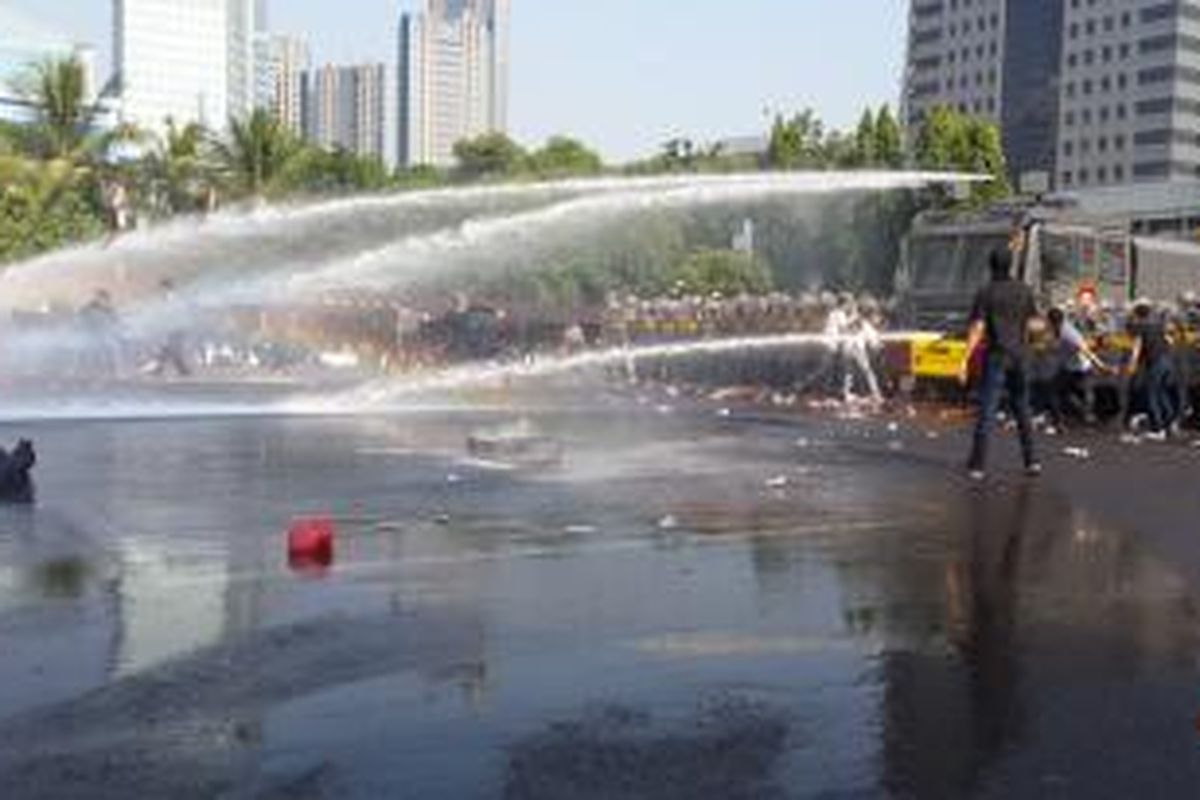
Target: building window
(1068,149)
(1119,141)
(1090,28)
(1118,173)
(1106,54)
(1109,24)
(1066,177)
(1073,31)
(1070,89)
(1086,116)
(1101,175)
(1105,84)
(1123,49)
(1083,175)
(1088,57)
(1126,19)
(1087,86)
(1069,119)
(1120,111)
(1102,144)
(1072,60)
(1122,81)
(1085,146)
(1104,113)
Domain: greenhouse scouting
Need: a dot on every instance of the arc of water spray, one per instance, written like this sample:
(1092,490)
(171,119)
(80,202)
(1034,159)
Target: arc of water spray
(391,394)
(400,264)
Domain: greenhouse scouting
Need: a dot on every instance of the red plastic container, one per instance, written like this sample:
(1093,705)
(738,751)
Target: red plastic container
(310,542)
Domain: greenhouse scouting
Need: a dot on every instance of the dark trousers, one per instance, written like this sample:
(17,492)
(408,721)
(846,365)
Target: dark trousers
(1072,387)
(1002,372)
(1156,382)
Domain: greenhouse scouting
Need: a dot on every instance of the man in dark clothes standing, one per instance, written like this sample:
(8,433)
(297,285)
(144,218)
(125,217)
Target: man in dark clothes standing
(1150,365)
(1000,322)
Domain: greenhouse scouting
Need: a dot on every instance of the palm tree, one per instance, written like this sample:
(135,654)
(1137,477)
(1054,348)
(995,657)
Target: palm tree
(174,169)
(256,152)
(57,90)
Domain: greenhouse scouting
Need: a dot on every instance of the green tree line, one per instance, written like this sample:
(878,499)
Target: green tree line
(54,172)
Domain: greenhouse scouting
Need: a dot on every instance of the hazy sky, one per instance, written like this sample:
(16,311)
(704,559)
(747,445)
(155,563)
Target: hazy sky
(625,75)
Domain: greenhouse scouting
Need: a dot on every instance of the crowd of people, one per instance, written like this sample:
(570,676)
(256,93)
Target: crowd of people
(1054,364)
(635,320)
(1132,362)
(1080,364)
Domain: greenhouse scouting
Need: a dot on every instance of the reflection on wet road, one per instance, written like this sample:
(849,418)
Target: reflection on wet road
(685,607)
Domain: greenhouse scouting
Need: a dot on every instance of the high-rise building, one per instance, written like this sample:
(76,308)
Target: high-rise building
(187,60)
(24,43)
(282,61)
(1091,92)
(344,107)
(452,77)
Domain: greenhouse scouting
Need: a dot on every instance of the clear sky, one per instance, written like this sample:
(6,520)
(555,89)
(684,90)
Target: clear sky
(626,75)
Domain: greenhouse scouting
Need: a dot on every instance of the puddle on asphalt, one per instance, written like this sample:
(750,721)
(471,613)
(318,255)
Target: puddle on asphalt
(868,626)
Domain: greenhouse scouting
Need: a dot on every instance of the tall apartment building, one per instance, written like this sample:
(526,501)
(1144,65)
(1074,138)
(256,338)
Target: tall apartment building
(188,60)
(345,107)
(452,77)
(1092,92)
(282,62)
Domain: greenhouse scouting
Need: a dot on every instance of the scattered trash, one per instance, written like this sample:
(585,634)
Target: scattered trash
(893,427)
(442,519)
(580,530)
(310,543)
(668,523)
(724,412)
(803,443)
(932,435)
(778,482)
(673,391)
(1130,438)
(453,478)
(895,447)
(1081,453)
(665,409)
(910,412)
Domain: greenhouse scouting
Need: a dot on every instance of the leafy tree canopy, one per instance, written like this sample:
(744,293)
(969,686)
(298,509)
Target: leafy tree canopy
(489,156)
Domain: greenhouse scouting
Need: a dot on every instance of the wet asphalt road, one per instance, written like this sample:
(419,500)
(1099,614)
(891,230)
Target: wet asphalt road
(690,606)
